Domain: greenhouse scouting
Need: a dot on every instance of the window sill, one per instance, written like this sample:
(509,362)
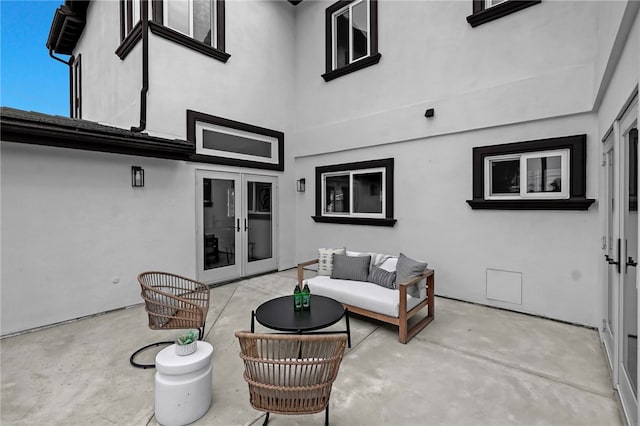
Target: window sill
(355,66)
(130,41)
(566,204)
(498,11)
(355,220)
(176,37)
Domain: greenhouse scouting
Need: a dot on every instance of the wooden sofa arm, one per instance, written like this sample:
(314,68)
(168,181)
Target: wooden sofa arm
(301,269)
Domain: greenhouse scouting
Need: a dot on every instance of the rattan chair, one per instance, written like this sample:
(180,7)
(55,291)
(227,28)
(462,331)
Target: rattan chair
(291,373)
(172,302)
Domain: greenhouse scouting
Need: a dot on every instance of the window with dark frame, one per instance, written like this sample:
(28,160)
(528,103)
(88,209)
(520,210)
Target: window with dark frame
(545,174)
(219,140)
(358,193)
(196,24)
(351,37)
(488,10)
(76,87)
(130,26)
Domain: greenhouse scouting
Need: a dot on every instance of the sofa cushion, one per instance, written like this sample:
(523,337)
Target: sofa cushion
(376,258)
(325,259)
(362,294)
(381,277)
(408,268)
(350,267)
(389,264)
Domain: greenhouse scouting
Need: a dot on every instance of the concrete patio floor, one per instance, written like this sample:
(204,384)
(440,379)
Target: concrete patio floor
(472,365)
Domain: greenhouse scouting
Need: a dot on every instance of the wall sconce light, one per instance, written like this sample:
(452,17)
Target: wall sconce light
(137,176)
(429,113)
(300,184)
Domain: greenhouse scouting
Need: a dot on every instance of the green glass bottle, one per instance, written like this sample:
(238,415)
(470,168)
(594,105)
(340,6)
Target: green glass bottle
(297,298)
(306,296)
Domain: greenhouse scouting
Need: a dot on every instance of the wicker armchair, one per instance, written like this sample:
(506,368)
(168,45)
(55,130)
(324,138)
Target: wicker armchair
(291,373)
(172,302)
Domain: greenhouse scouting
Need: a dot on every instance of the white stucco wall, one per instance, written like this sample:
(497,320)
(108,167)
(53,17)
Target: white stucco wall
(486,89)
(110,86)
(71,223)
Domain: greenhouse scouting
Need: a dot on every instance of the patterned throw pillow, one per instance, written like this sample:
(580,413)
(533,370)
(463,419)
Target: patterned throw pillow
(354,268)
(381,277)
(325,259)
(408,268)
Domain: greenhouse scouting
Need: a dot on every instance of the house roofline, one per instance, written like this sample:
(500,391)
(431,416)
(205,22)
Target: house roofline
(42,129)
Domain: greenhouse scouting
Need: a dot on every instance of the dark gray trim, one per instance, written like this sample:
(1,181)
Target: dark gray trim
(194,116)
(482,15)
(130,41)
(387,163)
(42,129)
(183,40)
(577,146)
(144,19)
(66,27)
(374,55)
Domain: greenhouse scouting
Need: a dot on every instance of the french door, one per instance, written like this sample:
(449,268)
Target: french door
(620,243)
(236,225)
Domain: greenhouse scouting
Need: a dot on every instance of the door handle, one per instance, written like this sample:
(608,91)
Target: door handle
(612,261)
(246,228)
(631,262)
(238,225)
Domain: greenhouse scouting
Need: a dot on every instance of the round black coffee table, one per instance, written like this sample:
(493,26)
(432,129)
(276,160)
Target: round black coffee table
(278,314)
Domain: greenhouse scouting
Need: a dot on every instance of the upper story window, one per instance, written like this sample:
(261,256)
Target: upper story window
(351,37)
(130,28)
(195,24)
(194,18)
(488,10)
(355,193)
(546,174)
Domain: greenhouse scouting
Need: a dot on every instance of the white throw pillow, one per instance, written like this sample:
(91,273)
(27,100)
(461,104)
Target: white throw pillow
(325,259)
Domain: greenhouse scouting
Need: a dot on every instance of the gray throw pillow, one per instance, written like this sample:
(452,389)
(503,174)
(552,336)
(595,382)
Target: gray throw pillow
(408,268)
(350,267)
(381,277)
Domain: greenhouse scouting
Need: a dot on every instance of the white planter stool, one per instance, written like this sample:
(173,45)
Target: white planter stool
(183,385)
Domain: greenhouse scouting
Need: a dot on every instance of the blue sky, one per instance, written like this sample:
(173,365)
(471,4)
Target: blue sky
(29,78)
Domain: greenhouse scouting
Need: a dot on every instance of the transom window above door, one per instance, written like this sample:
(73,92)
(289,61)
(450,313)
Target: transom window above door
(351,37)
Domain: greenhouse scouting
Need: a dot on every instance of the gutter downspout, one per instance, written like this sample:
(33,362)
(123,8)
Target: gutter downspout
(67,63)
(145,68)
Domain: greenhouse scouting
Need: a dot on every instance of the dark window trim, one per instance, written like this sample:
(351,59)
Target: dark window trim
(482,15)
(157,27)
(374,55)
(577,145)
(130,41)
(386,163)
(195,116)
(75,87)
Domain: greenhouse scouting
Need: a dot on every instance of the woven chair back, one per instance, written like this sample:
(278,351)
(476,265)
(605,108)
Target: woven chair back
(173,301)
(290,374)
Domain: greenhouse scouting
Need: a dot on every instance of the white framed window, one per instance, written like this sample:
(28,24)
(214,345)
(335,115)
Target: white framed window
(491,3)
(354,193)
(350,32)
(222,141)
(193,18)
(531,175)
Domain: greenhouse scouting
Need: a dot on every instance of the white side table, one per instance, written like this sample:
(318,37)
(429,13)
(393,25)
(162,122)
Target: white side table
(183,385)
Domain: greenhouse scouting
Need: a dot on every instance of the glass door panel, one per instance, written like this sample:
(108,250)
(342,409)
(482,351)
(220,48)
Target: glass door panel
(218,220)
(260,224)
(235,225)
(609,243)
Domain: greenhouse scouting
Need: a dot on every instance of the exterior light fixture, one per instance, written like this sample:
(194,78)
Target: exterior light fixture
(137,176)
(429,113)
(300,184)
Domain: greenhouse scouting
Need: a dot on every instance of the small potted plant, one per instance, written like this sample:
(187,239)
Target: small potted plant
(187,343)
